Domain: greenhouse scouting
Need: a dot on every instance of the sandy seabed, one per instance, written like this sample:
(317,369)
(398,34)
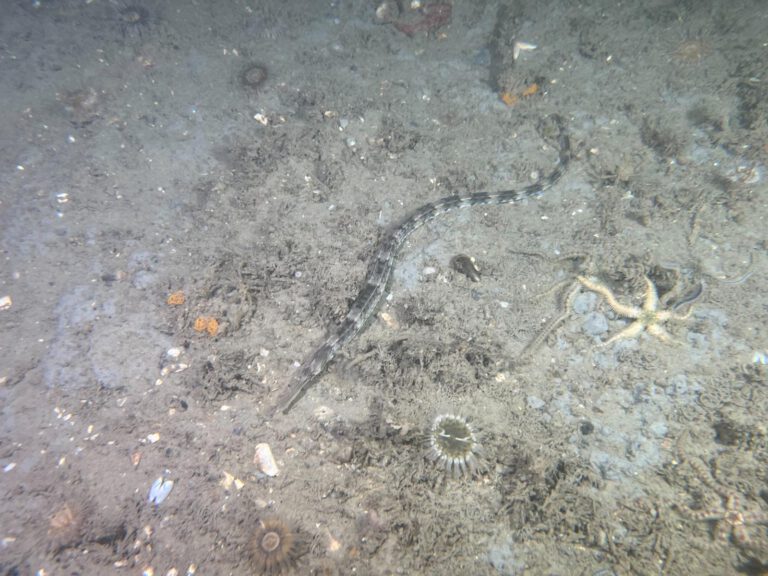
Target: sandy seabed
(190,197)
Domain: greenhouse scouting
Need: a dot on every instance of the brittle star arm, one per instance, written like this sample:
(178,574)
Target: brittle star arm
(616,306)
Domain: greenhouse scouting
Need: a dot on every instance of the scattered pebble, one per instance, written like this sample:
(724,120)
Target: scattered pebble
(5,302)
(152,438)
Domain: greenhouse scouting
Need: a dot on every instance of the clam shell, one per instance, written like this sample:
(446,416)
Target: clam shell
(160,490)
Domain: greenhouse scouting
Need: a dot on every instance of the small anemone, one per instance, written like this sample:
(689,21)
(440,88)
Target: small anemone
(133,20)
(134,15)
(275,546)
(253,76)
(453,445)
(65,526)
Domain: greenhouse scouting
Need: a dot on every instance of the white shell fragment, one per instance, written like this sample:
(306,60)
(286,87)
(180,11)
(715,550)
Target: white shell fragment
(5,302)
(174,352)
(519,47)
(229,480)
(265,461)
(160,490)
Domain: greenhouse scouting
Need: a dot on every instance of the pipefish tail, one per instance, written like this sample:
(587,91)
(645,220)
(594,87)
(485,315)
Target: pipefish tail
(368,299)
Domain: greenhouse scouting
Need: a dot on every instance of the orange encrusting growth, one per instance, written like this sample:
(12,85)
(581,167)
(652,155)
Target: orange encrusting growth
(530,90)
(206,324)
(512,98)
(176,298)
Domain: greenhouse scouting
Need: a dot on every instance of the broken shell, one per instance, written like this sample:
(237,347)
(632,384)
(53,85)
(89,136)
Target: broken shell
(519,47)
(160,490)
(389,320)
(333,544)
(174,352)
(265,461)
(229,480)
(387,11)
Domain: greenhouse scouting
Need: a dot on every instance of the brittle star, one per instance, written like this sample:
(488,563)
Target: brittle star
(646,319)
(731,517)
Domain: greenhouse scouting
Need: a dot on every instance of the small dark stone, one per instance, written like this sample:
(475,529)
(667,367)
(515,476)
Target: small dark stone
(466,265)
(586,427)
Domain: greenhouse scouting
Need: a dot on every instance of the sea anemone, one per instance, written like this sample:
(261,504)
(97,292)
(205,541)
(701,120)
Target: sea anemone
(82,105)
(133,20)
(691,51)
(454,445)
(253,76)
(65,526)
(275,546)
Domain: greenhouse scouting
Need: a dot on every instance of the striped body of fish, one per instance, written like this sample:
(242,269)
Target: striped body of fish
(376,281)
